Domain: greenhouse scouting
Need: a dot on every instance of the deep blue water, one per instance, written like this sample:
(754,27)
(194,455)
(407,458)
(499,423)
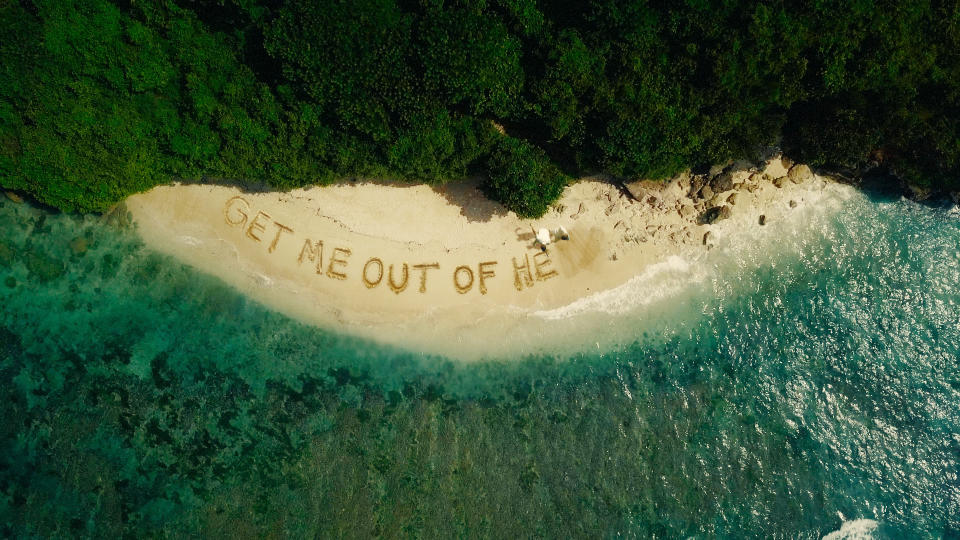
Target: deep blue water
(793,393)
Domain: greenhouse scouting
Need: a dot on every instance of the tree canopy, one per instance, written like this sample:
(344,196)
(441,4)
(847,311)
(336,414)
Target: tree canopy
(100,99)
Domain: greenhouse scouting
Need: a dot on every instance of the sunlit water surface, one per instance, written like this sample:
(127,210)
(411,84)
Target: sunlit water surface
(807,382)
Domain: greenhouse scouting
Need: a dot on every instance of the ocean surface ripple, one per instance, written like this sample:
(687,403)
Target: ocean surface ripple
(805,390)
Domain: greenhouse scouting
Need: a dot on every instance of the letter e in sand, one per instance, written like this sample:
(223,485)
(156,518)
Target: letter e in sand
(331,273)
(255,224)
(540,265)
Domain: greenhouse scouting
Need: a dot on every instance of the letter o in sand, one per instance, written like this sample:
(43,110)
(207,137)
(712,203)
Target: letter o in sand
(463,289)
(367,282)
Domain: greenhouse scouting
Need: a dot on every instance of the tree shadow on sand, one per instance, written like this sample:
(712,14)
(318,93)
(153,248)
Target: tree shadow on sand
(473,204)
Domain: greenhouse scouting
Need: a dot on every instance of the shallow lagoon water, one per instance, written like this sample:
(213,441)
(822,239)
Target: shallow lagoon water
(780,391)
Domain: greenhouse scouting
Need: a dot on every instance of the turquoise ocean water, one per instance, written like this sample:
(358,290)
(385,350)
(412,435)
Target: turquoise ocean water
(776,397)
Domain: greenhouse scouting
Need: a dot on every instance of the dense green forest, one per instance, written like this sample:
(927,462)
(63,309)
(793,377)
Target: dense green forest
(100,99)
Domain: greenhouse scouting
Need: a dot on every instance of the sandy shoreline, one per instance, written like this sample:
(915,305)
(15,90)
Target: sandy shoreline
(445,270)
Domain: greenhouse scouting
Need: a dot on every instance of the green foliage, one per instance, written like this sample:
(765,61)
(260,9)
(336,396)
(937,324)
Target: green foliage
(100,98)
(522,178)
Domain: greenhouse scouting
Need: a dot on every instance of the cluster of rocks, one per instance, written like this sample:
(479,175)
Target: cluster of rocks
(709,196)
(920,193)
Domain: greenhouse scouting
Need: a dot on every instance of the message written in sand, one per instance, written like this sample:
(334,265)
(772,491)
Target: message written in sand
(334,261)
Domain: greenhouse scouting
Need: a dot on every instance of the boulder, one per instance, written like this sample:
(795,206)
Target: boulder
(665,191)
(919,193)
(741,165)
(763,219)
(706,192)
(706,237)
(799,173)
(13,197)
(786,162)
(715,214)
(774,168)
(722,182)
(641,190)
(732,199)
(793,204)
(686,211)
(717,169)
(696,184)
(779,182)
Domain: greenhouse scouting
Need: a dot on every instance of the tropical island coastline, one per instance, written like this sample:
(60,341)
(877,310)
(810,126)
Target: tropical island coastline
(338,257)
(484,268)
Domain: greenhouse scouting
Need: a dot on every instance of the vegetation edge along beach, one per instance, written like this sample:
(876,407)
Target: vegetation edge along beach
(104,99)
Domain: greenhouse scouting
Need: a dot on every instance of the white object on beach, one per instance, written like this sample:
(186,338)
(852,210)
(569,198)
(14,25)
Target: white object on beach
(543,236)
(562,233)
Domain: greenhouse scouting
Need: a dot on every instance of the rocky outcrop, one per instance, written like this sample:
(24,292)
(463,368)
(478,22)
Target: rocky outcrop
(722,182)
(799,173)
(715,214)
(919,193)
(741,165)
(658,191)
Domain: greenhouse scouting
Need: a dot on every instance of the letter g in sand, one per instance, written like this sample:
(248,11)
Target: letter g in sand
(235,212)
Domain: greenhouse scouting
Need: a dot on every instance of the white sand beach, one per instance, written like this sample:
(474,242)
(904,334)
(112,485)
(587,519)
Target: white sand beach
(444,270)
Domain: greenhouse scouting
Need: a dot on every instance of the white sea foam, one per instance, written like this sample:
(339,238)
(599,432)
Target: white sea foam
(190,240)
(857,529)
(262,280)
(658,281)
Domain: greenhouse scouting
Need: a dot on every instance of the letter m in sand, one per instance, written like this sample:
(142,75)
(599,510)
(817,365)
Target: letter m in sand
(313,252)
